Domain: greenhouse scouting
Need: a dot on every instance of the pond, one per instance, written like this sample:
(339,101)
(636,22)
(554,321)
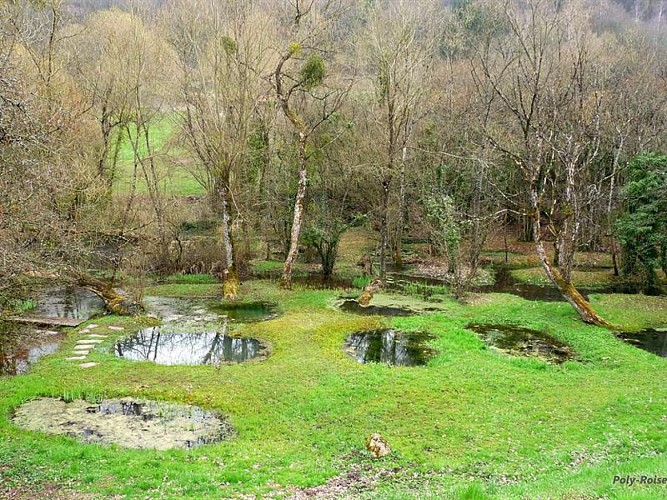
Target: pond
(189,312)
(392,347)
(21,346)
(67,302)
(352,306)
(651,340)
(519,341)
(141,424)
(179,348)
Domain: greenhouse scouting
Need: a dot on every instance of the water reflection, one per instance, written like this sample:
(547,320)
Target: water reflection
(21,346)
(392,347)
(206,348)
(67,302)
(650,340)
(352,306)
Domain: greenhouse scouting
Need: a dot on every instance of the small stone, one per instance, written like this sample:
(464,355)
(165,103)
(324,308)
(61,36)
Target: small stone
(378,446)
(51,332)
(82,352)
(92,326)
(88,365)
(89,341)
(75,358)
(116,328)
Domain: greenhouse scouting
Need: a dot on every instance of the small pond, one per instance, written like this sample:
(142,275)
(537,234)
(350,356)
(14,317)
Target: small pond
(126,422)
(651,340)
(519,341)
(352,306)
(67,302)
(179,348)
(393,347)
(22,345)
(191,311)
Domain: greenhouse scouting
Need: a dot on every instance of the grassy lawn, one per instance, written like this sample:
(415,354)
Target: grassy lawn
(172,163)
(473,423)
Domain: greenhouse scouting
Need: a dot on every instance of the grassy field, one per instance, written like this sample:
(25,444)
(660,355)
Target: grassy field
(171,161)
(471,424)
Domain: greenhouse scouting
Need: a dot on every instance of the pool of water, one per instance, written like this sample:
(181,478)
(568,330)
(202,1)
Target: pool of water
(126,422)
(651,340)
(519,341)
(392,347)
(67,302)
(181,348)
(22,345)
(352,306)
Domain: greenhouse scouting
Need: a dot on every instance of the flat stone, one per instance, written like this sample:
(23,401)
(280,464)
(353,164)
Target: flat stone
(116,328)
(89,341)
(51,332)
(82,352)
(96,336)
(88,365)
(92,326)
(75,358)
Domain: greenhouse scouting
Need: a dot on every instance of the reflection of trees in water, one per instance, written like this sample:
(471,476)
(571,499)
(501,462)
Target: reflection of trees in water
(68,302)
(650,340)
(207,348)
(20,347)
(386,346)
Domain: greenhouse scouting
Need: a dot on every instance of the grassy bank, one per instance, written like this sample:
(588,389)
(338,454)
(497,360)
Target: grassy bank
(471,424)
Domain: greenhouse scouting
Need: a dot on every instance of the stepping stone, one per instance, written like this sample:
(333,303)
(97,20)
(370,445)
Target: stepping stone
(116,328)
(88,341)
(51,332)
(88,365)
(96,336)
(82,352)
(85,330)
(92,326)
(75,358)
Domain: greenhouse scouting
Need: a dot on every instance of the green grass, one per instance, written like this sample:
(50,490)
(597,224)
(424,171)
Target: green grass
(172,163)
(471,424)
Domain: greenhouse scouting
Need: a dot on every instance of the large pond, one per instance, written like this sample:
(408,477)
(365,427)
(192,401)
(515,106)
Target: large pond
(651,340)
(21,346)
(519,341)
(202,348)
(67,302)
(392,347)
(196,332)
(125,422)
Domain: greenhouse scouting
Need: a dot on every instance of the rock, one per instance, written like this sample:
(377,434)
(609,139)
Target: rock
(82,352)
(96,336)
(88,365)
(75,358)
(378,446)
(116,328)
(92,326)
(88,341)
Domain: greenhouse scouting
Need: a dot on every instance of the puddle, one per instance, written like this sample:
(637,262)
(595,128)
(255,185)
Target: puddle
(352,306)
(125,422)
(393,347)
(518,341)
(21,346)
(178,348)
(67,302)
(249,312)
(187,313)
(651,340)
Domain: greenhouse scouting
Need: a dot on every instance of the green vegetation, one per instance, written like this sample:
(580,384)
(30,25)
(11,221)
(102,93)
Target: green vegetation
(470,424)
(175,178)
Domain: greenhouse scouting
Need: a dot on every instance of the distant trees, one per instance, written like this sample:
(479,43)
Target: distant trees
(642,229)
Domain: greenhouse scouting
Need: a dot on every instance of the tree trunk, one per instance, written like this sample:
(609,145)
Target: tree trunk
(566,288)
(116,301)
(230,287)
(298,215)
(384,229)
